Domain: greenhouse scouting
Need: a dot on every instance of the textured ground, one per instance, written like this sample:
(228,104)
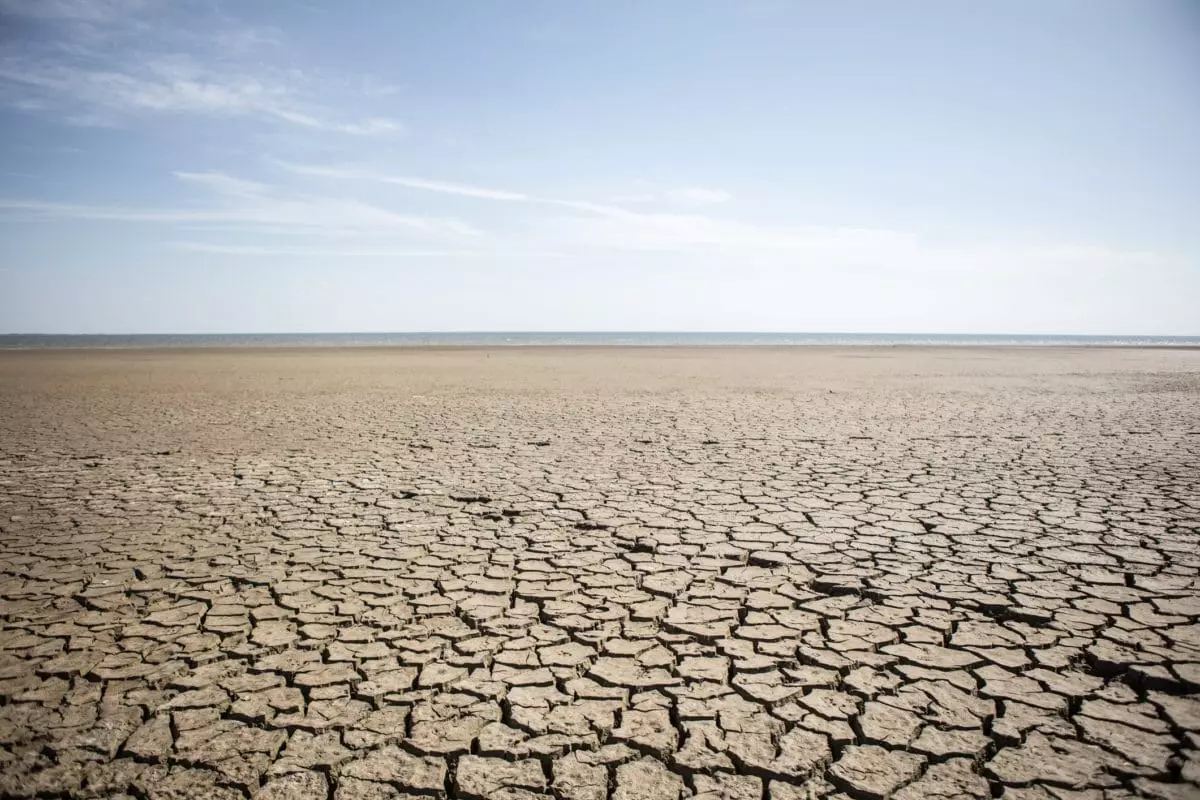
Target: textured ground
(590,574)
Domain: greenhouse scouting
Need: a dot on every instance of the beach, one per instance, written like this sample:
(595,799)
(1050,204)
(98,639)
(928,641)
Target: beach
(600,572)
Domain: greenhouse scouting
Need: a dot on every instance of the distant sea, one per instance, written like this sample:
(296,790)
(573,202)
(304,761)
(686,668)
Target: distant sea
(576,338)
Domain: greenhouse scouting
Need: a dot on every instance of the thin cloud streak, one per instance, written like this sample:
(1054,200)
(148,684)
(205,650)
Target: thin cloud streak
(321,213)
(316,252)
(249,204)
(687,196)
(443,187)
(606,226)
(698,196)
(594,227)
(99,68)
(174,85)
(224,184)
(88,11)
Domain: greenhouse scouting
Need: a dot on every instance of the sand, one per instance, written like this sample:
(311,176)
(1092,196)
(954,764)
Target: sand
(593,573)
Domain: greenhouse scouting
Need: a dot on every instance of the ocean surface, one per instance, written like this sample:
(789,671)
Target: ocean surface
(576,338)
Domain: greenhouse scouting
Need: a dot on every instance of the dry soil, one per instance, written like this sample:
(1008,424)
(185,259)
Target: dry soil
(637,574)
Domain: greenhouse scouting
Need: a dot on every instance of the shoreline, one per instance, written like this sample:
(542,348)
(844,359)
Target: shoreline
(560,348)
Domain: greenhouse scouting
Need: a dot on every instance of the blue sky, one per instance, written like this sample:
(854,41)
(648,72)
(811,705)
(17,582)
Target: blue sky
(1020,166)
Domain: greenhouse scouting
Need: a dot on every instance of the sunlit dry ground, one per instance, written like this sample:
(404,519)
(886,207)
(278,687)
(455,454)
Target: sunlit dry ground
(600,573)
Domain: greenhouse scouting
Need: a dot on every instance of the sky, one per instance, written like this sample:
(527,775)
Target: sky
(997,166)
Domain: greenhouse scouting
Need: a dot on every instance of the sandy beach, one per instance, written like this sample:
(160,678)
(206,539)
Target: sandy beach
(600,573)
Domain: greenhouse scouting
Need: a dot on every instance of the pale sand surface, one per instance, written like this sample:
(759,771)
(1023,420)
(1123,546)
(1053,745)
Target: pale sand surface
(591,573)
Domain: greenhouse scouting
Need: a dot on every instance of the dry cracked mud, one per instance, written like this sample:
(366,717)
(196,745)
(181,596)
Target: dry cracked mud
(592,574)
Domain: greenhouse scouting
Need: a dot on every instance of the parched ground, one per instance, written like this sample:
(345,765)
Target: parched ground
(779,574)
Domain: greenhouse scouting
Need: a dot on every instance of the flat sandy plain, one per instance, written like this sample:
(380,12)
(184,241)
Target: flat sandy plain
(718,573)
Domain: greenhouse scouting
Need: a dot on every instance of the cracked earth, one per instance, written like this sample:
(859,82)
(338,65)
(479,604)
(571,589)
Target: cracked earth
(594,574)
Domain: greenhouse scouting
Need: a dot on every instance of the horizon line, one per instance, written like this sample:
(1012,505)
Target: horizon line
(602,332)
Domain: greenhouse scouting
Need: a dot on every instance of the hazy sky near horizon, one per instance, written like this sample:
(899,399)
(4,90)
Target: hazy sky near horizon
(1023,166)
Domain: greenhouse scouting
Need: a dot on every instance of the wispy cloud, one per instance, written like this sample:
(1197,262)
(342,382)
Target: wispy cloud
(246,204)
(698,196)
(170,85)
(574,226)
(452,188)
(357,252)
(548,227)
(50,210)
(443,187)
(688,196)
(283,214)
(371,126)
(89,69)
(665,232)
(92,11)
(457,188)
(224,184)
(607,225)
